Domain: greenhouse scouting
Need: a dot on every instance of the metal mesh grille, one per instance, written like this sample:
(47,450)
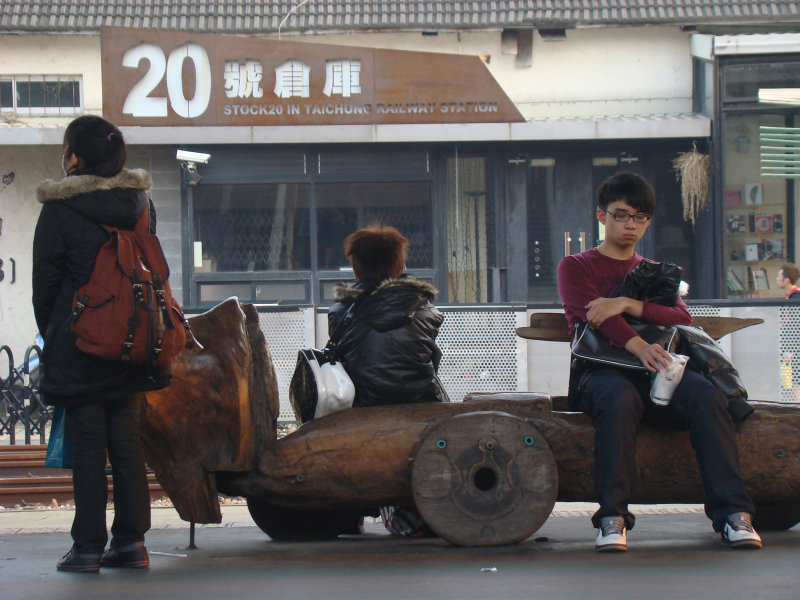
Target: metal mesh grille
(789,323)
(479,351)
(704,310)
(286,334)
(253,228)
(240,241)
(345,207)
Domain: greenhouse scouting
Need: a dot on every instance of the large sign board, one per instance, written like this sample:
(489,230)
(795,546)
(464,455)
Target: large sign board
(169,78)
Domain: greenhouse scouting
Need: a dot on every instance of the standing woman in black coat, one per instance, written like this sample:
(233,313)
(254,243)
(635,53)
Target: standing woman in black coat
(103,399)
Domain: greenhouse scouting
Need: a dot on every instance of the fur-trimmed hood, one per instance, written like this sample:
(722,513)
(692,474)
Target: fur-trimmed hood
(347,294)
(76,185)
(116,201)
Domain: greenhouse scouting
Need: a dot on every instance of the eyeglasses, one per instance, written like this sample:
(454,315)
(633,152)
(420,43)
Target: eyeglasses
(623,217)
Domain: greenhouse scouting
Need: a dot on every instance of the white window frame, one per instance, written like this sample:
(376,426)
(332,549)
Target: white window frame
(42,111)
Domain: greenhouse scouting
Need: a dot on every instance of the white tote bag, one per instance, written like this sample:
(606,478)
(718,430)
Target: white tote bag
(335,389)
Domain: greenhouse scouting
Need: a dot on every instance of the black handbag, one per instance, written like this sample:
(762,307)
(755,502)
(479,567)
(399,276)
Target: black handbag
(591,350)
(592,346)
(320,384)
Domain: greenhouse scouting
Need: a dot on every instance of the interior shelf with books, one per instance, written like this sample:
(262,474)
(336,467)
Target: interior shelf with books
(755,241)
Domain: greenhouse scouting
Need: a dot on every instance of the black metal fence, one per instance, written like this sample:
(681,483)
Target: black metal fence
(22,413)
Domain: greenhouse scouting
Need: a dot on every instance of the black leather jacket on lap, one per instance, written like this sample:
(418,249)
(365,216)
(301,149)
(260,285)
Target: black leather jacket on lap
(706,357)
(65,245)
(389,349)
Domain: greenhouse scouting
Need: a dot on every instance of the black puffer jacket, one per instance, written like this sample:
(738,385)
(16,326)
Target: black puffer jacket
(65,245)
(389,350)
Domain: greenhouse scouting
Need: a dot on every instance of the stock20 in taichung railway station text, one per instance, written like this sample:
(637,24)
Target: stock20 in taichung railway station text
(161,78)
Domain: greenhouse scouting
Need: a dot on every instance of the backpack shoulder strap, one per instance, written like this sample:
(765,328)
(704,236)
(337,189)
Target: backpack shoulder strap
(143,224)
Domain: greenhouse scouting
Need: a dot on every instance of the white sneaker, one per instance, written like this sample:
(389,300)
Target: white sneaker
(738,532)
(611,535)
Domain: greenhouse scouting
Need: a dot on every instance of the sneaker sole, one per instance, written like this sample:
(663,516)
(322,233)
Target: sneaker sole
(65,569)
(743,544)
(611,548)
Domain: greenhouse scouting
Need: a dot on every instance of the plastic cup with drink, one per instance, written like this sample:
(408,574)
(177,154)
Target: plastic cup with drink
(666,380)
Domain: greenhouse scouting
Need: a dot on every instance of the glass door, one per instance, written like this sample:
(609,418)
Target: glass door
(561,218)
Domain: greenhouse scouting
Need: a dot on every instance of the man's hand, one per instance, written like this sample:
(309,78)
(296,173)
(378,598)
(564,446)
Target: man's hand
(600,309)
(653,356)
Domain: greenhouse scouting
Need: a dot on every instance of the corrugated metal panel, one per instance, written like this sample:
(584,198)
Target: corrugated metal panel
(250,16)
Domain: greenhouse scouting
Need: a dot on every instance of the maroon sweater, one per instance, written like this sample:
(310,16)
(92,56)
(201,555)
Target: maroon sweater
(589,275)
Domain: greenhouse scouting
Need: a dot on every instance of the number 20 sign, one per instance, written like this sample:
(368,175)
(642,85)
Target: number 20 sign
(141,101)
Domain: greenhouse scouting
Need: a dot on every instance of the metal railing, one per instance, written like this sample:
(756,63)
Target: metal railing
(22,412)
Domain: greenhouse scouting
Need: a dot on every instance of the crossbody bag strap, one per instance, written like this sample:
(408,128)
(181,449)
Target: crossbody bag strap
(344,323)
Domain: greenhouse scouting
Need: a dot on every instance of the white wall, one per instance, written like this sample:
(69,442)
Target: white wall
(75,55)
(594,72)
(19,210)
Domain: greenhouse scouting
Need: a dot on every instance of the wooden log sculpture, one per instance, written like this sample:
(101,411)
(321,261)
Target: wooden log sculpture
(485,471)
(219,413)
(364,457)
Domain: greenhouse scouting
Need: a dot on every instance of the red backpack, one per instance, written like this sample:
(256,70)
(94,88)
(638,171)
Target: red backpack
(126,311)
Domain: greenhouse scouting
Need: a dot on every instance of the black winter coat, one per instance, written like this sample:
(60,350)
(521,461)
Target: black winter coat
(65,245)
(389,349)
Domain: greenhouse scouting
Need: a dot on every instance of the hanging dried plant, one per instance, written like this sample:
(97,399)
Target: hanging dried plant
(691,170)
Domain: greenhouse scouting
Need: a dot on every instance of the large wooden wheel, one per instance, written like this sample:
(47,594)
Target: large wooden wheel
(484,479)
(284,524)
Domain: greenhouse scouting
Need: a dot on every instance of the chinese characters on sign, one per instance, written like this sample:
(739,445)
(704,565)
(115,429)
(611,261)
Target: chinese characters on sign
(291,79)
(243,81)
(342,78)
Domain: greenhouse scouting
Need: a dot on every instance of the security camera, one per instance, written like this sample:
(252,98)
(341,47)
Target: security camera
(193,157)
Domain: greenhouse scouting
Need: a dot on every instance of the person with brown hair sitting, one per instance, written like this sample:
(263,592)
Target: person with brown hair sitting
(389,349)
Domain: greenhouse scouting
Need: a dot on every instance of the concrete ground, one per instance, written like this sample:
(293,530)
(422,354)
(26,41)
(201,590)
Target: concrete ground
(673,555)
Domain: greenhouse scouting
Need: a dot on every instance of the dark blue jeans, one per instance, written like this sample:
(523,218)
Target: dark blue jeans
(618,404)
(111,426)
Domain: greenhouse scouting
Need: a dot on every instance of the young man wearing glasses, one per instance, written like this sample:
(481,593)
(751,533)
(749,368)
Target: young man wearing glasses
(618,400)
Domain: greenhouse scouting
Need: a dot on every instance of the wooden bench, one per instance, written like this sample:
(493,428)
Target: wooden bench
(483,472)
